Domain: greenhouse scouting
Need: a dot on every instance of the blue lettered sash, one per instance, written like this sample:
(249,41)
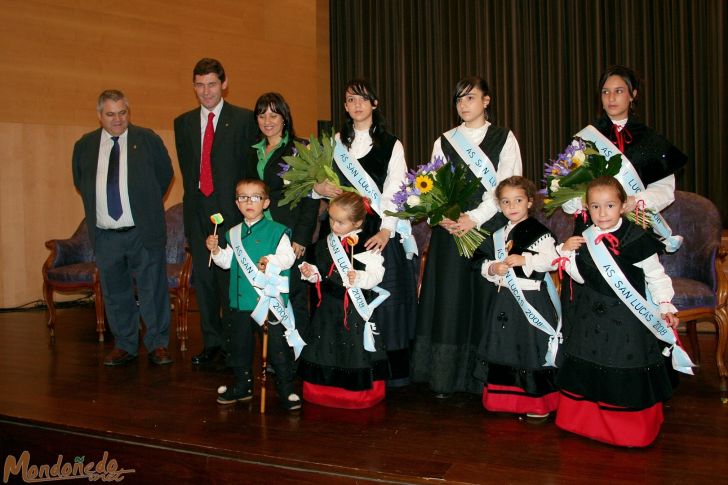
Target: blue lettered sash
(644,309)
(269,286)
(532,315)
(361,181)
(474,158)
(343,266)
(632,184)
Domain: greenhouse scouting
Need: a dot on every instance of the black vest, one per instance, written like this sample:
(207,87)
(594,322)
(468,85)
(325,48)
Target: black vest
(492,145)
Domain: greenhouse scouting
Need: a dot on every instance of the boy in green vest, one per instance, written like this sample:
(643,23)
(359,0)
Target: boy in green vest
(257,241)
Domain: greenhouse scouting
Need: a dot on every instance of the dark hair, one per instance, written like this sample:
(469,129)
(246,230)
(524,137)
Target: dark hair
(467,84)
(607,181)
(363,88)
(277,104)
(251,181)
(629,77)
(208,65)
(518,182)
(353,203)
(113,95)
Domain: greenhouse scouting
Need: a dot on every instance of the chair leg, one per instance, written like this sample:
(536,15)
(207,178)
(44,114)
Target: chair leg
(182,319)
(100,314)
(721,318)
(692,331)
(50,310)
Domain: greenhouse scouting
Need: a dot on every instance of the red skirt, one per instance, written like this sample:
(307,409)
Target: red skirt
(511,399)
(337,397)
(607,423)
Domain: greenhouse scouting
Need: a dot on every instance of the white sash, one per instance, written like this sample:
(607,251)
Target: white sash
(474,158)
(362,181)
(645,310)
(343,266)
(269,286)
(632,184)
(532,315)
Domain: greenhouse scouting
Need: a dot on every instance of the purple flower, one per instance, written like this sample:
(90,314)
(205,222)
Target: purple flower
(285,167)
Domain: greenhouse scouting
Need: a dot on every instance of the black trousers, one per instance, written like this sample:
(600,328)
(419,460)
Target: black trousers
(122,260)
(239,339)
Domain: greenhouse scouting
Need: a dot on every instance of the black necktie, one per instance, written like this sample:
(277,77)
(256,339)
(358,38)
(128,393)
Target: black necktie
(113,194)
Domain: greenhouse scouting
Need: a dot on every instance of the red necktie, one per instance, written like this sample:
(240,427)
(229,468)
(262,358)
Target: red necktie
(206,185)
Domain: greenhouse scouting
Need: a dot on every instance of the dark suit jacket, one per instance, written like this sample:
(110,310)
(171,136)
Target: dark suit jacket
(235,133)
(301,219)
(149,176)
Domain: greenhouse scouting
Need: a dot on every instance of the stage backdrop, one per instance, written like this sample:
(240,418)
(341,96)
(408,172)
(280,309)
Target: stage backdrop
(542,60)
(58,56)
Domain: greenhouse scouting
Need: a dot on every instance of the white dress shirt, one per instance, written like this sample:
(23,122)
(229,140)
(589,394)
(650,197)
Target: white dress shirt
(103,219)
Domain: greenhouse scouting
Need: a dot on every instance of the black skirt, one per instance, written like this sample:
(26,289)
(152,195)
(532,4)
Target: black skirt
(608,355)
(512,352)
(334,354)
(446,341)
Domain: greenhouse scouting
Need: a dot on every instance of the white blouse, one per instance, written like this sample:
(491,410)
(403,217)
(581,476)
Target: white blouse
(509,164)
(658,282)
(396,174)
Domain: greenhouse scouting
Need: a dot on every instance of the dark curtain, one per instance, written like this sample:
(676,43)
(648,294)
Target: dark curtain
(542,60)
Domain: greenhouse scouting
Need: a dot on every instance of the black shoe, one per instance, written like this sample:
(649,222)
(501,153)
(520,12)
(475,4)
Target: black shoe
(208,355)
(235,394)
(291,402)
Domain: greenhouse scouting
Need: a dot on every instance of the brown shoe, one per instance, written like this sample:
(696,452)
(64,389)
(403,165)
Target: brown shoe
(160,356)
(118,357)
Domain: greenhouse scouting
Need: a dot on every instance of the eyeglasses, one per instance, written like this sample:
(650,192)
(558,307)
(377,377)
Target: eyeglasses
(251,198)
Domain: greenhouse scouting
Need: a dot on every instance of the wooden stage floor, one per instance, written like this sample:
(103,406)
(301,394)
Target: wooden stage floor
(163,423)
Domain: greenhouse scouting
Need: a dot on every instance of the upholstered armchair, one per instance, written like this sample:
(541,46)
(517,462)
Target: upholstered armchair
(70,268)
(701,289)
(179,270)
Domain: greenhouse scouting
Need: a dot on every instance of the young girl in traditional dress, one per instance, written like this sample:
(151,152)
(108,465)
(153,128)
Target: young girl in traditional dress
(514,358)
(454,298)
(344,364)
(613,376)
(364,145)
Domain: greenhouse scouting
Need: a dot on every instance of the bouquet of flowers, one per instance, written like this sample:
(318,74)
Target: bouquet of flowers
(568,176)
(310,164)
(437,190)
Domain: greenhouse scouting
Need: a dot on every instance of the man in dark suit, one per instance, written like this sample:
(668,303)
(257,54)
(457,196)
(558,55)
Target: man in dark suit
(122,172)
(213,144)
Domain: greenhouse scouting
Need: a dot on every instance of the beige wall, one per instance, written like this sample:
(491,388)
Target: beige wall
(57,56)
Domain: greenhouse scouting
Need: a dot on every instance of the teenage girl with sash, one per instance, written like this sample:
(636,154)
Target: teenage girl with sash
(516,354)
(649,161)
(275,125)
(344,364)
(453,296)
(371,160)
(618,321)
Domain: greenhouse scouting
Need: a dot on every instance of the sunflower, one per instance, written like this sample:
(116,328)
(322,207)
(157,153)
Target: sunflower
(423,184)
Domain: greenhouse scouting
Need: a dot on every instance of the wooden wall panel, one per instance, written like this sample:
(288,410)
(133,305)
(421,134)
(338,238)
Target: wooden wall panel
(58,56)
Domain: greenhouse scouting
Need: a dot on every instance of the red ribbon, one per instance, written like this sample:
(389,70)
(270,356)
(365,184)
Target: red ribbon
(581,213)
(346,246)
(611,239)
(622,136)
(367,205)
(560,263)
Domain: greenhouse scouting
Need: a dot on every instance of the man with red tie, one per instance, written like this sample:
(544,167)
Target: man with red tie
(122,172)
(213,144)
